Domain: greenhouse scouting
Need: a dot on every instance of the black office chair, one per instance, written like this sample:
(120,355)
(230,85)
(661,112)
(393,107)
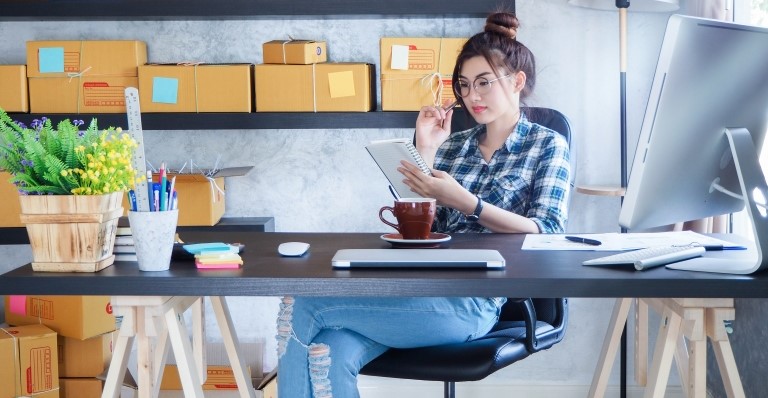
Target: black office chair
(525,326)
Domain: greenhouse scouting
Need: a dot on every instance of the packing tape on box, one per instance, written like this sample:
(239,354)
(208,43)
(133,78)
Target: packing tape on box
(16,363)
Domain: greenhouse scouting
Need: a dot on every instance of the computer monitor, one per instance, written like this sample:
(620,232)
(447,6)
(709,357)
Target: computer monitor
(706,119)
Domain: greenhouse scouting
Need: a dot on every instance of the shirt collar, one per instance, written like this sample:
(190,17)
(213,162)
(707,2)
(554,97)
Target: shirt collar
(518,135)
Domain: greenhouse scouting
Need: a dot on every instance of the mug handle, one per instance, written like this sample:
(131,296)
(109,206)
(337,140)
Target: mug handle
(381,217)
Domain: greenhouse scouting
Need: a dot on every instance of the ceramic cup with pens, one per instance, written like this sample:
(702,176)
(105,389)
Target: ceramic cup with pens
(153,235)
(414,216)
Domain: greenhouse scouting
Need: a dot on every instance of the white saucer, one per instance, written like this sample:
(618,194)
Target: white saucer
(434,239)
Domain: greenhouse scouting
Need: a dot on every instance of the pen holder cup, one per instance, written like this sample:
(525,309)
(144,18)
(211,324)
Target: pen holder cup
(153,234)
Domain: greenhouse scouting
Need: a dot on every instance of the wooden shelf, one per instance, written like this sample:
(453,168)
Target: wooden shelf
(238,9)
(251,121)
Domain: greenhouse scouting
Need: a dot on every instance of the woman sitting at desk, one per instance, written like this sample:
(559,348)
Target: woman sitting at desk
(504,175)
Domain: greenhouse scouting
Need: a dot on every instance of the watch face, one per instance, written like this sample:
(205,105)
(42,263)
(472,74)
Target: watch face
(472,217)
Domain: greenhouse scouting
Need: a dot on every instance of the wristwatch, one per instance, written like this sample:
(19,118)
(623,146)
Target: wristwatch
(475,216)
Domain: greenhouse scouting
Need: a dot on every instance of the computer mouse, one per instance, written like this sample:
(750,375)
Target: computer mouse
(292,249)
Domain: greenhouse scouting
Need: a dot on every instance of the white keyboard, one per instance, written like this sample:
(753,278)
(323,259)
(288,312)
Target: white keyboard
(650,257)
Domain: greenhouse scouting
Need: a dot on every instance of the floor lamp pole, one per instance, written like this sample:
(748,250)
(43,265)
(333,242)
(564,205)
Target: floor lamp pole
(622,5)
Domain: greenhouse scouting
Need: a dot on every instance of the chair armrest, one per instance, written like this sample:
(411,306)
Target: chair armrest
(536,342)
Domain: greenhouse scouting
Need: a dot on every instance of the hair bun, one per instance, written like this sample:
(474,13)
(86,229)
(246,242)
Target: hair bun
(502,23)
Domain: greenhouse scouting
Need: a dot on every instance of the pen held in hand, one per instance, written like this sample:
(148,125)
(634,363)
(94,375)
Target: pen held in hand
(585,241)
(451,106)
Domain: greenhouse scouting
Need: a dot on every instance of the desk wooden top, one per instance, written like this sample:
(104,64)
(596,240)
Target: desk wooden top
(266,273)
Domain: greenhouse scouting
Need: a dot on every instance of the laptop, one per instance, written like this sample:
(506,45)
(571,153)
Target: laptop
(418,258)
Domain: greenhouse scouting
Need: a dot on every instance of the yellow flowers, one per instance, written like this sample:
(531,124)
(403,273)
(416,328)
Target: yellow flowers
(107,164)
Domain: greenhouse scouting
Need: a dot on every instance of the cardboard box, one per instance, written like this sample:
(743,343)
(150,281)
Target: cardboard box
(80,388)
(414,69)
(201,200)
(196,88)
(86,57)
(11,208)
(296,52)
(14,95)
(84,358)
(86,94)
(28,362)
(218,378)
(328,87)
(268,385)
(79,317)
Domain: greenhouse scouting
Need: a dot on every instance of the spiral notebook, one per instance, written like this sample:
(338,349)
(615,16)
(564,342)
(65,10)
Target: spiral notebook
(388,153)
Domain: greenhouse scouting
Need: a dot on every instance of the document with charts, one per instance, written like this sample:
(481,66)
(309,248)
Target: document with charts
(388,153)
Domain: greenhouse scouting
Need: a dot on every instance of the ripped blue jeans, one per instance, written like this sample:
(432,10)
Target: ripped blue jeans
(323,342)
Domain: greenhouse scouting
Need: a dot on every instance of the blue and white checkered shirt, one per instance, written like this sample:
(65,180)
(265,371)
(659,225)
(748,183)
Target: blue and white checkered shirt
(529,176)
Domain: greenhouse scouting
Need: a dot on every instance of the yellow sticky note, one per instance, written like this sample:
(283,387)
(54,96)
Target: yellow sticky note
(341,84)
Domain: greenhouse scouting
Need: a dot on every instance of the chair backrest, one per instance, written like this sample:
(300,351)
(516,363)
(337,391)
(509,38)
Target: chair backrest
(555,120)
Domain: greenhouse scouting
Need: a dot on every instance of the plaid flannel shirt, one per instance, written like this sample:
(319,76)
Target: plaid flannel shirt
(529,176)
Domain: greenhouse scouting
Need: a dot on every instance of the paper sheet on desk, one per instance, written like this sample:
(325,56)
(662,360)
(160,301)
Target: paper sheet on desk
(615,241)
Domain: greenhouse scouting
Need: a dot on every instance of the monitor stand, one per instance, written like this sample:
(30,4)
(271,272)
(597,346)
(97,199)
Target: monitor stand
(754,191)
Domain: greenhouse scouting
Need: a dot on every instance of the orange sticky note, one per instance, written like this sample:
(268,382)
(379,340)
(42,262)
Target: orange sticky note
(341,84)
(18,304)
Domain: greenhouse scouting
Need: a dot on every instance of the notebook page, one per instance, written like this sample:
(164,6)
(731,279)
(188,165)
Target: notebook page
(388,153)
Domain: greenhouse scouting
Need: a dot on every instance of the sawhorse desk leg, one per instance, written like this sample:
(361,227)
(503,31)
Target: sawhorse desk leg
(161,317)
(685,326)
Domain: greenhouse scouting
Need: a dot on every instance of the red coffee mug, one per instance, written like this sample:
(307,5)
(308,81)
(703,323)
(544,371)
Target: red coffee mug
(414,217)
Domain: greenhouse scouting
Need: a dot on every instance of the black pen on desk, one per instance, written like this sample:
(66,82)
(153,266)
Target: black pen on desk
(585,241)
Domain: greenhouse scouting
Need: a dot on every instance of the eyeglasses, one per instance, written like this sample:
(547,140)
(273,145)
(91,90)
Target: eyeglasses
(481,85)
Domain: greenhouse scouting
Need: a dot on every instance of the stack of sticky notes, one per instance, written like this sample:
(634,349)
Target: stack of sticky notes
(215,255)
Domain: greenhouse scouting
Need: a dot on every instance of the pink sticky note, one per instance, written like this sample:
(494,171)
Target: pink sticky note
(18,304)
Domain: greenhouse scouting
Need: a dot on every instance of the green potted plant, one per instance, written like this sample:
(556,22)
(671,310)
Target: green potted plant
(70,184)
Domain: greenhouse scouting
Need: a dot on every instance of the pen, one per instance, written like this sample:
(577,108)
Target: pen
(132,200)
(163,187)
(585,241)
(171,192)
(451,106)
(151,190)
(392,190)
(156,196)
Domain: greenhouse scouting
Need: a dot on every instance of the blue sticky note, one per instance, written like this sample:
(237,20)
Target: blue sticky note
(197,248)
(165,90)
(51,59)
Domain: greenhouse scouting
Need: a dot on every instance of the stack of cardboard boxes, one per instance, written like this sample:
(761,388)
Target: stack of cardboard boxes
(88,76)
(295,77)
(62,343)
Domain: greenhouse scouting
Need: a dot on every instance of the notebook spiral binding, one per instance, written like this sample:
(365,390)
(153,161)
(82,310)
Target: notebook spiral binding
(419,160)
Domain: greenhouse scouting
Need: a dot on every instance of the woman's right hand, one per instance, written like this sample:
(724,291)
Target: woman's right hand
(433,126)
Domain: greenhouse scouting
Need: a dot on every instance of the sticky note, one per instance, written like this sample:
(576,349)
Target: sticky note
(399,57)
(18,304)
(165,90)
(50,59)
(341,84)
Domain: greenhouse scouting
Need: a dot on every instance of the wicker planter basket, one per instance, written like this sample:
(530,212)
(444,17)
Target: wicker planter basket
(71,233)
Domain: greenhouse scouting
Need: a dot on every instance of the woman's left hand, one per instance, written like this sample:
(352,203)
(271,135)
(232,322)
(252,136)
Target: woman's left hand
(440,186)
